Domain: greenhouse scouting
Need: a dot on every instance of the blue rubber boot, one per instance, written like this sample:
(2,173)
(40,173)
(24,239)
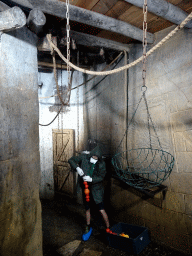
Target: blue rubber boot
(87,234)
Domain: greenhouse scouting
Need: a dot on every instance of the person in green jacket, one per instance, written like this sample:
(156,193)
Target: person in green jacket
(91,168)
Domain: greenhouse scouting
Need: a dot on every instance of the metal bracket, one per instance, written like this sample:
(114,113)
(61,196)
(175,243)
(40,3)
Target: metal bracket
(149,193)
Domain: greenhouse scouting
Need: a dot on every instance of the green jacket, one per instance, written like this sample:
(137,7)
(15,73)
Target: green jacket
(99,171)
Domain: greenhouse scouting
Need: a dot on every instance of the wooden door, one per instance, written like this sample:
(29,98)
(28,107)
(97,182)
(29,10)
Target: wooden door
(63,149)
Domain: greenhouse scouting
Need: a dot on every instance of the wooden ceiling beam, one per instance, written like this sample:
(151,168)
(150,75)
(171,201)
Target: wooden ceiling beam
(3,7)
(58,9)
(36,20)
(90,40)
(12,19)
(164,9)
(50,65)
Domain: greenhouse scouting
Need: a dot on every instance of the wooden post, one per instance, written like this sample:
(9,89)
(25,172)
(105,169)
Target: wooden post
(36,20)
(11,19)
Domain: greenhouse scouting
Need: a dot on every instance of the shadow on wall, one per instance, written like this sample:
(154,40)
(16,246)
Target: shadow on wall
(140,122)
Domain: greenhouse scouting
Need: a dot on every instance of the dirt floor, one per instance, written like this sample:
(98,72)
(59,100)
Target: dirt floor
(64,221)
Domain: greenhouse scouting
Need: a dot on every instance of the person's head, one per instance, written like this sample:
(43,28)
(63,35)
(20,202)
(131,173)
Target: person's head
(96,153)
(94,159)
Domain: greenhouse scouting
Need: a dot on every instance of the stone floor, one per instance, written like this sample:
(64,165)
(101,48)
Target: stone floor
(63,222)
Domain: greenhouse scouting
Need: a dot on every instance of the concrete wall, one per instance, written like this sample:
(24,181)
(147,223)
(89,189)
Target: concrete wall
(70,118)
(20,208)
(169,75)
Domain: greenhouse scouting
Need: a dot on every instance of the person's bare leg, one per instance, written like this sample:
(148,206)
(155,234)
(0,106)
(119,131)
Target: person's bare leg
(88,229)
(105,217)
(88,217)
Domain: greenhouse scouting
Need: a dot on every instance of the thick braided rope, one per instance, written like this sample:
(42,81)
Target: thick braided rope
(110,72)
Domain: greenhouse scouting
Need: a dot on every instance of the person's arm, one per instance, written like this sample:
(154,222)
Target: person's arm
(100,175)
(75,161)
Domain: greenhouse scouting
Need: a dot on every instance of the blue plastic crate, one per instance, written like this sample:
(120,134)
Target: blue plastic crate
(137,241)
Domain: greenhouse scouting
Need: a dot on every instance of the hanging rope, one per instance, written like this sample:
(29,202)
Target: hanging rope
(65,104)
(81,85)
(52,45)
(58,91)
(110,64)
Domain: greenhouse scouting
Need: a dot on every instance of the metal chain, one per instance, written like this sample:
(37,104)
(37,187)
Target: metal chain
(144,87)
(58,104)
(68,41)
(62,93)
(78,108)
(144,74)
(144,44)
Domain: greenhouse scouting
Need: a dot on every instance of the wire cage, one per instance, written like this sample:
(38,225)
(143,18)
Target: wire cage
(143,168)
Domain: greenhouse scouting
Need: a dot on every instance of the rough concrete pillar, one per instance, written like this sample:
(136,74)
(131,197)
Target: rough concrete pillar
(20,207)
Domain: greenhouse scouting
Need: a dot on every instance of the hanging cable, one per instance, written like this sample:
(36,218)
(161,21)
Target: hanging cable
(105,76)
(53,118)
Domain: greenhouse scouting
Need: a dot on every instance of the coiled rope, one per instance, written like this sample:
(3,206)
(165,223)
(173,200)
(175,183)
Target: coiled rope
(110,72)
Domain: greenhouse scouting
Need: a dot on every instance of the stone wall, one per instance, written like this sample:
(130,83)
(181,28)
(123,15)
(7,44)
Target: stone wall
(169,75)
(20,208)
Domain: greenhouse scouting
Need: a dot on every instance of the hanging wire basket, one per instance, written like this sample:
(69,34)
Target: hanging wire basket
(143,168)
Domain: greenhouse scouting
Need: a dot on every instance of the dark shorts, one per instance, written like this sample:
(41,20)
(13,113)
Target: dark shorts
(96,196)
(100,206)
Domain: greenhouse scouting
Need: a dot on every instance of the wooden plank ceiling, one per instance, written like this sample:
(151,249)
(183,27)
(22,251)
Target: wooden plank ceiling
(119,10)
(109,25)
(124,11)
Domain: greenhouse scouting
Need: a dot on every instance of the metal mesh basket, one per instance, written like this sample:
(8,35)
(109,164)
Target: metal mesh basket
(143,168)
